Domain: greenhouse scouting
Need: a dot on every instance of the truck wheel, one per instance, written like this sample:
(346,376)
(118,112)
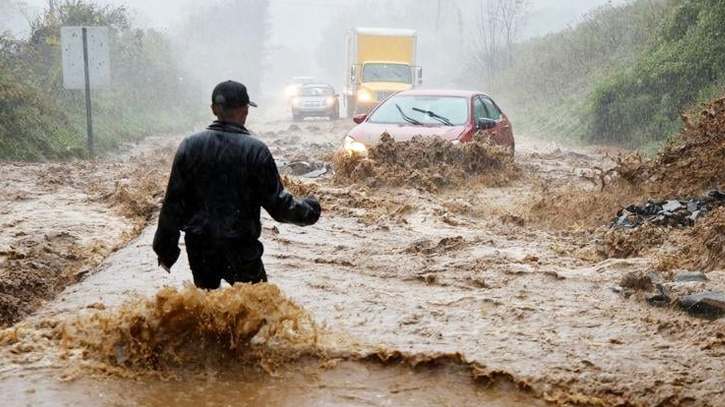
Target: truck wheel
(296,117)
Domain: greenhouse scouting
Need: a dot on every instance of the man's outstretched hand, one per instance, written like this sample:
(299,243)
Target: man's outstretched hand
(314,204)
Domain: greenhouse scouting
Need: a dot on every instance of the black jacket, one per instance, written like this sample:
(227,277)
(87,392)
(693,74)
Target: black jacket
(220,179)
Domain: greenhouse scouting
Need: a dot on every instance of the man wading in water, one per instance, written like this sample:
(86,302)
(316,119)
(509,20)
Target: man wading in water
(220,179)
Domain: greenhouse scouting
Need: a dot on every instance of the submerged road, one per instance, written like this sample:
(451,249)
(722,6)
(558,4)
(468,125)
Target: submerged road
(425,274)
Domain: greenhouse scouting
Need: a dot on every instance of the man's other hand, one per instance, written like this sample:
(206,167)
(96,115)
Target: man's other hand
(164,266)
(168,260)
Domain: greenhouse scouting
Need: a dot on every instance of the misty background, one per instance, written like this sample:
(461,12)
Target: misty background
(617,72)
(306,37)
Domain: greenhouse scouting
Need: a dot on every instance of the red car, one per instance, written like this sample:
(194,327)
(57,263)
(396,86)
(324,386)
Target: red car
(452,115)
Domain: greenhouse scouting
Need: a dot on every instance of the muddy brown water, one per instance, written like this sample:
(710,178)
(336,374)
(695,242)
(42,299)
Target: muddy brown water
(348,384)
(520,314)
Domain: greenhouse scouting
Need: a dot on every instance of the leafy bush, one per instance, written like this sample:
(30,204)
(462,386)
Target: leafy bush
(685,64)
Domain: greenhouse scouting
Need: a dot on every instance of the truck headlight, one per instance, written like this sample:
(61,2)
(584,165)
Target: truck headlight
(363,95)
(296,101)
(290,91)
(330,101)
(353,146)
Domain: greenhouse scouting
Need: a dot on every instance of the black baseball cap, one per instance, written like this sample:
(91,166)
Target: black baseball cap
(231,95)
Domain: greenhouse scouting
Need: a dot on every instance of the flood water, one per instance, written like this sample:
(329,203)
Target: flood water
(304,384)
(397,297)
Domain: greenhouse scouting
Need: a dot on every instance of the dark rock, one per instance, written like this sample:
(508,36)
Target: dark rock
(624,218)
(695,215)
(717,195)
(691,276)
(658,299)
(693,205)
(672,206)
(707,304)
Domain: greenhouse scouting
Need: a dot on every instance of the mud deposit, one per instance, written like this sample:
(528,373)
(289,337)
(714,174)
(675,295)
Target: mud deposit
(496,288)
(687,165)
(428,164)
(58,221)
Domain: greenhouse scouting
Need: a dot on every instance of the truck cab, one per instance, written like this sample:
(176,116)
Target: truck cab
(380,62)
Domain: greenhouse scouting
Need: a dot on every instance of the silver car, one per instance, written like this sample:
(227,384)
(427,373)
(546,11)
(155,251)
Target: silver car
(316,100)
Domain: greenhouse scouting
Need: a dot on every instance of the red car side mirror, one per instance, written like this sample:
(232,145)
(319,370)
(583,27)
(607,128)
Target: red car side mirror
(359,118)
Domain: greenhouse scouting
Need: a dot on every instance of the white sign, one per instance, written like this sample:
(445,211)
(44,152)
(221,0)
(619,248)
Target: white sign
(99,61)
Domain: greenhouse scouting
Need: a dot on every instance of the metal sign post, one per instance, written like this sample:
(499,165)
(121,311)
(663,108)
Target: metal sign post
(87,77)
(86,65)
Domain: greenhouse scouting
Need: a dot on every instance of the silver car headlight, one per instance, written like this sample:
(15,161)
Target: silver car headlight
(353,146)
(290,91)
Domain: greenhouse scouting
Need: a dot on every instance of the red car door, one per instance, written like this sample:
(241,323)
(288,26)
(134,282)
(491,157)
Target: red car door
(478,111)
(504,132)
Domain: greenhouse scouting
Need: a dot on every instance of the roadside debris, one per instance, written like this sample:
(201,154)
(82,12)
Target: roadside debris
(668,213)
(316,173)
(302,168)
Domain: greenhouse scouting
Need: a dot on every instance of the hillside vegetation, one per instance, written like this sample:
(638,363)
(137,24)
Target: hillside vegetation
(39,119)
(684,64)
(622,76)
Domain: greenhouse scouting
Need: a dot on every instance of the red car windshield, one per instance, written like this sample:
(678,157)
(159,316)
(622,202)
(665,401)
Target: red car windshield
(453,108)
